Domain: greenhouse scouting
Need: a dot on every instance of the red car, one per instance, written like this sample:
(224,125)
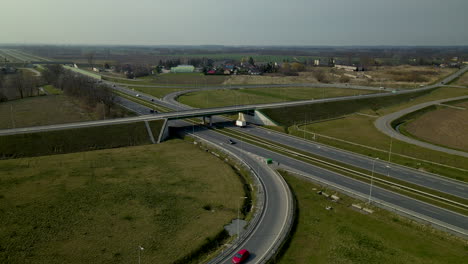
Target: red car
(241,256)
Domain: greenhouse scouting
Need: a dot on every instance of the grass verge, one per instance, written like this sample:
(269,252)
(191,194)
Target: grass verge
(431,196)
(344,235)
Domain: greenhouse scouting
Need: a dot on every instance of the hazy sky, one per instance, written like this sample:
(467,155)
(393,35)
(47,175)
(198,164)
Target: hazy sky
(235,22)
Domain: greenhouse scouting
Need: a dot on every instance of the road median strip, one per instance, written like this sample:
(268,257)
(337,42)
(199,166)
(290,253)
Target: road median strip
(421,193)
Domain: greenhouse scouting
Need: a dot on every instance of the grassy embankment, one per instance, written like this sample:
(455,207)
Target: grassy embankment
(218,98)
(344,235)
(359,129)
(99,206)
(76,140)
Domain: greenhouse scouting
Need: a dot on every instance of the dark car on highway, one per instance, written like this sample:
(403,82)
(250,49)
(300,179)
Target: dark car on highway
(241,256)
(231,142)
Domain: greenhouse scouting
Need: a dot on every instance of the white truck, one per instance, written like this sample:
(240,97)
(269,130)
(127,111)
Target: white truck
(241,123)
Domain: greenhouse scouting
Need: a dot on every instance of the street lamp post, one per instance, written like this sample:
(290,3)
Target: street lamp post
(238,215)
(390,152)
(140,248)
(372,179)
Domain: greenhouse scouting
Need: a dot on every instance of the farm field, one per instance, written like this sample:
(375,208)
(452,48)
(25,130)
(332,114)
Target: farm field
(345,235)
(217,98)
(99,206)
(389,76)
(444,126)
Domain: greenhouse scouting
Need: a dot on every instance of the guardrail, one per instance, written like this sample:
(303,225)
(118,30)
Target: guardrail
(275,249)
(259,204)
(401,211)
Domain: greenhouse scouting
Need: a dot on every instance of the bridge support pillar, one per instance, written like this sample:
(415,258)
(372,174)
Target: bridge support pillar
(211,120)
(164,133)
(258,118)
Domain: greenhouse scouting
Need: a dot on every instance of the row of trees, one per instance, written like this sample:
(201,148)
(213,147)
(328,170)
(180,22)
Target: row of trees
(86,89)
(18,85)
(134,70)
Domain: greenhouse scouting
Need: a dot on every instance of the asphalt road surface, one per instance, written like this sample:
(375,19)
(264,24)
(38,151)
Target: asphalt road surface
(435,214)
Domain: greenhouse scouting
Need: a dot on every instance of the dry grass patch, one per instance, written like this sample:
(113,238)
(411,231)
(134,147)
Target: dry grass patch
(463,80)
(404,76)
(445,126)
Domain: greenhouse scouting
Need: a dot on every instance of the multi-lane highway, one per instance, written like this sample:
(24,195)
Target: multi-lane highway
(276,210)
(434,214)
(429,212)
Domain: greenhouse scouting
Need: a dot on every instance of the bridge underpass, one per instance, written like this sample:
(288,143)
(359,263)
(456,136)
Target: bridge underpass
(251,116)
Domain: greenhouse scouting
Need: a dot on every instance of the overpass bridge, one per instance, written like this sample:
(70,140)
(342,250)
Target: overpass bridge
(251,112)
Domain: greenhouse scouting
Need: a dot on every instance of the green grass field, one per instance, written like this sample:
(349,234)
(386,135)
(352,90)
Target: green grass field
(49,110)
(52,90)
(42,110)
(218,98)
(99,206)
(76,140)
(344,235)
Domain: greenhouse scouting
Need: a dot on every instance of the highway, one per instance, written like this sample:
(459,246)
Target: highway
(382,167)
(432,213)
(276,211)
(399,172)
(428,212)
(276,215)
(384,125)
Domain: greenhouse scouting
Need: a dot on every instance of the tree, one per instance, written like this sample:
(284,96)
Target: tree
(296,67)
(251,61)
